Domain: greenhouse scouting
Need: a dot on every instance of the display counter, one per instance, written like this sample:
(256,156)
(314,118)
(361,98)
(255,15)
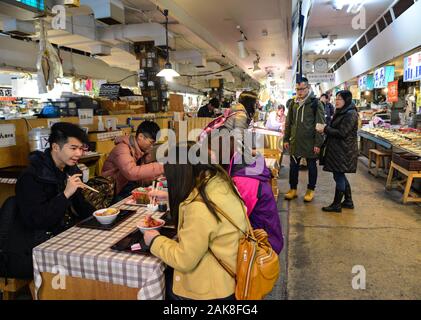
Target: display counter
(405,148)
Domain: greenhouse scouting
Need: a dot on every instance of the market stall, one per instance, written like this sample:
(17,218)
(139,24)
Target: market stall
(404,147)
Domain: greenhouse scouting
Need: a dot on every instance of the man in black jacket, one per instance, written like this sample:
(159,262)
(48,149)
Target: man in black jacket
(208,110)
(48,195)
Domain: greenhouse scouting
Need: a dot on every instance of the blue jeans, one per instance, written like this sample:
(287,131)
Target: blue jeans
(341,181)
(294,168)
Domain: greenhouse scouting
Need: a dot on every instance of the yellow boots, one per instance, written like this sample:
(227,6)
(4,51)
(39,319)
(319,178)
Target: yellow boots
(292,194)
(309,196)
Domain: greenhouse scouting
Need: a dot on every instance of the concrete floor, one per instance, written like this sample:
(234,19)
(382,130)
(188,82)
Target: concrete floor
(381,234)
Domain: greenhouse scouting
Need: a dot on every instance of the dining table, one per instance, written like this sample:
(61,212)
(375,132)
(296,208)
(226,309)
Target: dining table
(80,264)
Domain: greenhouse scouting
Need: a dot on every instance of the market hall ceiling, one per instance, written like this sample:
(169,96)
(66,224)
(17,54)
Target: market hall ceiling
(326,22)
(210,27)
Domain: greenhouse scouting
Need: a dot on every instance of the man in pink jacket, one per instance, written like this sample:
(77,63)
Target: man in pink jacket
(130,160)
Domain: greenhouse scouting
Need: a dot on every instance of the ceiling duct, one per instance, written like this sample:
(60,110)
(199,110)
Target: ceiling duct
(189,57)
(18,28)
(110,12)
(100,50)
(135,33)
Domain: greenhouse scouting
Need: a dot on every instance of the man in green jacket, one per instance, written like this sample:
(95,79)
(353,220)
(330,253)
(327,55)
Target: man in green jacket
(301,137)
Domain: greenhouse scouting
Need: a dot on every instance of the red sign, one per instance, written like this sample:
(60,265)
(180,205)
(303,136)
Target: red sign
(392,92)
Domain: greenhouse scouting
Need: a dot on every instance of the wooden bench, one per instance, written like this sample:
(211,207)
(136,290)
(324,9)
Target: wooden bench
(9,286)
(406,184)
(378,157)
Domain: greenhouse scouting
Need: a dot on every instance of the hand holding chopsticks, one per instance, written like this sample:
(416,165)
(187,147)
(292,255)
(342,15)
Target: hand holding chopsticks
(73,183)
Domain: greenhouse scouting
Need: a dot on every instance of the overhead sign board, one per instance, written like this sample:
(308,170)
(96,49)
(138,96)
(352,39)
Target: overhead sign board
(383,76)
(320,77)
(412,68)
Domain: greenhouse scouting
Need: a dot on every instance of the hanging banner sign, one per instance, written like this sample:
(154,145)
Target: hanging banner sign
(320,77)
(7,135)
(412,68)
(383,76)
(392,92)
(366,83)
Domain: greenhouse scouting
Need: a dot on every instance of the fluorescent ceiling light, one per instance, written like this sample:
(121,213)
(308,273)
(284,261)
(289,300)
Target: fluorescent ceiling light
(242,50)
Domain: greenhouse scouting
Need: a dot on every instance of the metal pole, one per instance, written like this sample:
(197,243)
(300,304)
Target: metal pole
(300,41)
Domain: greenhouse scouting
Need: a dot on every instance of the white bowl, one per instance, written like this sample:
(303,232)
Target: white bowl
(152,207)
(143,229)
(106,219)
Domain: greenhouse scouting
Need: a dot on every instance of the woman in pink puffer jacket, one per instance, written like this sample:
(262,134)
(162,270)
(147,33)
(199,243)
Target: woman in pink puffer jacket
(130,160)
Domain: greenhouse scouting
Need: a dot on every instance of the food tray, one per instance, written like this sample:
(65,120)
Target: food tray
(137,237)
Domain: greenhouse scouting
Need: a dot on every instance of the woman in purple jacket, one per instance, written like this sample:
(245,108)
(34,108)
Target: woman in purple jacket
(254,185)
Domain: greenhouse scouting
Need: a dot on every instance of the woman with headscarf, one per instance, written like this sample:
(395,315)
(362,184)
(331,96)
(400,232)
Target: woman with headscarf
(341,153)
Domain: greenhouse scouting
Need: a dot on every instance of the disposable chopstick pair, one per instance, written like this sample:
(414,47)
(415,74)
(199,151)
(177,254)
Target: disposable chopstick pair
(87,187)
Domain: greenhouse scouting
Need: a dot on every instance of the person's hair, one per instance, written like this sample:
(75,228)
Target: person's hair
(248,100)
(324,95)
(281,106)
(62,131)
(302,80)
(346,95)
(149,129)
(214,102)
(184,178)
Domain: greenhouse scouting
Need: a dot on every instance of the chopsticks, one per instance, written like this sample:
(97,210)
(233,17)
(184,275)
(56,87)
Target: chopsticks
(152,202)
(86,186)
(90,188)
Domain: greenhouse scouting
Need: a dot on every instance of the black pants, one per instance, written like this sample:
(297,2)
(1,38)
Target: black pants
(341,180)
(170,295)
(294,171)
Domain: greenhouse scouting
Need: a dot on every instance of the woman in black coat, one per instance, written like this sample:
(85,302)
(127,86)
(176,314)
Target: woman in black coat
(341,153)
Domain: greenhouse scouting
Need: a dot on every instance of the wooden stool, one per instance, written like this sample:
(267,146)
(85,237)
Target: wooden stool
(11,286)
(378,156)
(408,196)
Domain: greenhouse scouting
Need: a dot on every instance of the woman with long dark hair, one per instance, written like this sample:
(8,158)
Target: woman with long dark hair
(341,153)
(197,194)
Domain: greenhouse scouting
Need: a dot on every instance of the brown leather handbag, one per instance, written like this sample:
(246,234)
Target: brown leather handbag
(257,263)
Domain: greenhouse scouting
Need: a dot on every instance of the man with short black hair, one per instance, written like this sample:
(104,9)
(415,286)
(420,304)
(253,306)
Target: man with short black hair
(301,138)
(48,196)
(208,110)
(131,159)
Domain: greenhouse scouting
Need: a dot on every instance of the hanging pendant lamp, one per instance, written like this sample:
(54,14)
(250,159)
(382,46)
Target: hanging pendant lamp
(168,72)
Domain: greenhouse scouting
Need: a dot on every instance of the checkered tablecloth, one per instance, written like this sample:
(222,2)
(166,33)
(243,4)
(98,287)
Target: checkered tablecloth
(85,253)
(8,180)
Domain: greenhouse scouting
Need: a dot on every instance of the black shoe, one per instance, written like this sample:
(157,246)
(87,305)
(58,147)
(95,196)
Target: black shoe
(348,203)
(336,206)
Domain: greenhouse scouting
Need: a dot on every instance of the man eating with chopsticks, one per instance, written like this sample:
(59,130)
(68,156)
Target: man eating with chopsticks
(48,195)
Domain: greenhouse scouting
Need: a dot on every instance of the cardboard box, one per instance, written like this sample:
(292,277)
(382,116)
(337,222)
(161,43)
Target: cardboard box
(176,103)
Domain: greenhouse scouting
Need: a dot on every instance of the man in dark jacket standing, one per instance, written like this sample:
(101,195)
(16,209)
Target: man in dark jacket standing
(329,108)
(208,110)
(48,195)
(301,138)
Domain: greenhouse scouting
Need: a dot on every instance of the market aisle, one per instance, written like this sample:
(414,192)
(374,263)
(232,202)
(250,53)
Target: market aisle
(381,234)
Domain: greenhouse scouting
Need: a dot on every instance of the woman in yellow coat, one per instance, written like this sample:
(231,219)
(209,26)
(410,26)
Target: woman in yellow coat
(196,193)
